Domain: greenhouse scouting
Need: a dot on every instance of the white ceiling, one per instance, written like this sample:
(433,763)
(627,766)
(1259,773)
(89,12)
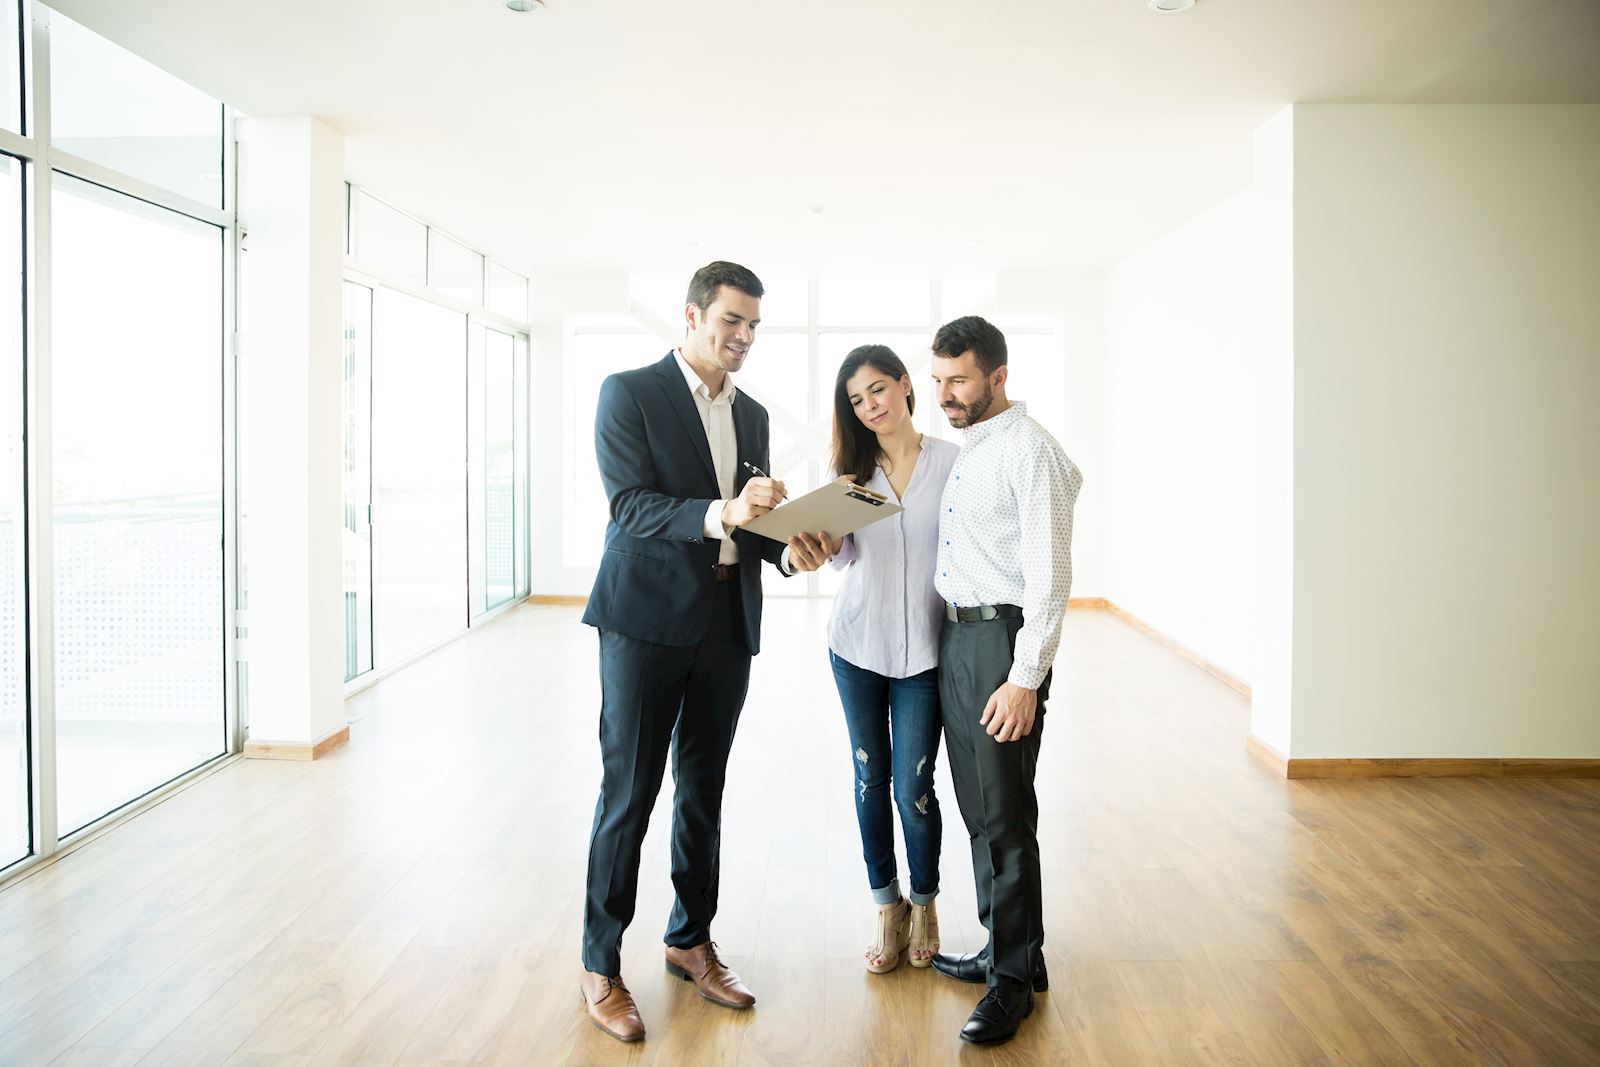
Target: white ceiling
(1001,133)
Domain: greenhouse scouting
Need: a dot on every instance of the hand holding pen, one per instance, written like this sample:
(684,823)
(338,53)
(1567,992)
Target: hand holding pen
(807,552)
(759,496)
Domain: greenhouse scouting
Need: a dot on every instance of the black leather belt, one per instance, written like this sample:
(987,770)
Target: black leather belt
(982,613)
(726,572)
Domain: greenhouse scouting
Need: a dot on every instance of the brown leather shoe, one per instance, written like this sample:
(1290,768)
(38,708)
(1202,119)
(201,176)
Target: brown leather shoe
(611,1006)
(709,974)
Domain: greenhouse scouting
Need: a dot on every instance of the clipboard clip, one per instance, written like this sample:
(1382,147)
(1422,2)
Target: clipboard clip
(866,496)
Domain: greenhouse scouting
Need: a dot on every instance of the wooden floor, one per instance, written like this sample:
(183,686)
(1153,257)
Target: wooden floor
(416,898)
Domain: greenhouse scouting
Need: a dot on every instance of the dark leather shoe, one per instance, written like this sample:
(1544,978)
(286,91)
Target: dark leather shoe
(713,979)
(974,967)
(999,1014)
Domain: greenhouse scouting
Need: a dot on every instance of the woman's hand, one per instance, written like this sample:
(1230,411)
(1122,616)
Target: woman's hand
(807,552)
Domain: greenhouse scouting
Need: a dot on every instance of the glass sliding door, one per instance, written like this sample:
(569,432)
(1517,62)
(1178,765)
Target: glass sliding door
(16,837)
(137,416)
(419,393)
(477,598)
(499,469)
(491,489)
(357,480)
(523,454)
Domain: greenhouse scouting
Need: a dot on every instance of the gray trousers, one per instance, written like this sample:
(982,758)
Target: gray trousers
(994,789)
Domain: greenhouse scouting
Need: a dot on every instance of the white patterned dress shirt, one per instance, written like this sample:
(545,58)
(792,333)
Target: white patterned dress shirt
(1005,532)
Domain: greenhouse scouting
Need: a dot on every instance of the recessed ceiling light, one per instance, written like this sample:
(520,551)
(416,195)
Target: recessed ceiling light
(1161,7)
(524,5)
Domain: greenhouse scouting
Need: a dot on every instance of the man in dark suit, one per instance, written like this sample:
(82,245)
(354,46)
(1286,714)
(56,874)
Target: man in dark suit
(677,601)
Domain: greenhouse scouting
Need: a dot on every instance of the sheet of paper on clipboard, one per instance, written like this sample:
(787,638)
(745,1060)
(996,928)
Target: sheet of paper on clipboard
(835,509)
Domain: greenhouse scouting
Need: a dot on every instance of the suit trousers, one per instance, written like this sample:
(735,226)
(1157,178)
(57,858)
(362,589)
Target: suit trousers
(658,700)
(994,790)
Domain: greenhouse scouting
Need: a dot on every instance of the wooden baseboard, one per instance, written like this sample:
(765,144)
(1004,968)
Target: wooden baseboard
(569,601)
(1443,768)
(1222,675)
(1266,754)
(297,750)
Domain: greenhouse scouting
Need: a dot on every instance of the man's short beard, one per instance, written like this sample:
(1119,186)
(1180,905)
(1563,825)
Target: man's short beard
(971,413)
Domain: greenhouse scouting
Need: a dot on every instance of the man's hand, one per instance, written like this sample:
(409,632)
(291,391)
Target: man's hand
(807,552)
(759,496)
(1009,713)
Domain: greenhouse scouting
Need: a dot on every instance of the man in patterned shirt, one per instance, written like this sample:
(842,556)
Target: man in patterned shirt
(1004,571)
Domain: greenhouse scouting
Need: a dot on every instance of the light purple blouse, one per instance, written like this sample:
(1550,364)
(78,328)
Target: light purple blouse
(887,614)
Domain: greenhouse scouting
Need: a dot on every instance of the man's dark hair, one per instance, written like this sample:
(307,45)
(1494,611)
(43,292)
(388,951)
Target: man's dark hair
(713,276)
(987,343)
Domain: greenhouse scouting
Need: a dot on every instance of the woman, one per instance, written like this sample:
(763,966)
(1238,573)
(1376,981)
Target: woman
(883,640)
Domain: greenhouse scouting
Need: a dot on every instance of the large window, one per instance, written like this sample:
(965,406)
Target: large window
(116,626)
(437,534)
(137,433)
(492,494)
(10,67)
(521,457)
(454,269)
(357,538)
(115,109)
(387,240)
(499,469)
(15,838)
(419,391)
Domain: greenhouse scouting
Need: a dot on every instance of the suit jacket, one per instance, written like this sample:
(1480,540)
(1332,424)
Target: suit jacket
(657,574)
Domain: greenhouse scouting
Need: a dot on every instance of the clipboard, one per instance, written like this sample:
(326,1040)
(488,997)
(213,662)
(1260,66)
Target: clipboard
(835,509)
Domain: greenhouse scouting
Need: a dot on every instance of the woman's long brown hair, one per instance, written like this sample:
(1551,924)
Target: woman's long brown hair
(855,446)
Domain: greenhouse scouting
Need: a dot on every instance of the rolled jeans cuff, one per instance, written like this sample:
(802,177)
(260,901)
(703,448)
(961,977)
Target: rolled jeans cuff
(889,894)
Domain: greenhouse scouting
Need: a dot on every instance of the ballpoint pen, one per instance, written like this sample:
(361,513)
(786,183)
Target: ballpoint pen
(752,468)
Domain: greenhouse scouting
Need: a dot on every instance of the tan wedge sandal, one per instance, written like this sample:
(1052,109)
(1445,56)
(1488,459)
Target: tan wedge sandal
(924,940)
(893,936)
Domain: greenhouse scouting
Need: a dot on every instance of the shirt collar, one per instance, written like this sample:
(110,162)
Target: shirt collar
(692,380)
(979,430)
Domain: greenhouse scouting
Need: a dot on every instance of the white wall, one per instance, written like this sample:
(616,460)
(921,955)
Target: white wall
(1447,431)
(1182,343)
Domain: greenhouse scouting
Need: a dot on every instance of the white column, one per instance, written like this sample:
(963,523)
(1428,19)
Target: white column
(290,448)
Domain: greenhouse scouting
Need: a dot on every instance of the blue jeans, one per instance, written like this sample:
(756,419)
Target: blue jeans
(908,708)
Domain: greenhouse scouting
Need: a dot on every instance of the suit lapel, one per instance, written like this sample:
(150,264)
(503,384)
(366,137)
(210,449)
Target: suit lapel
(744,434)
(682,402)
